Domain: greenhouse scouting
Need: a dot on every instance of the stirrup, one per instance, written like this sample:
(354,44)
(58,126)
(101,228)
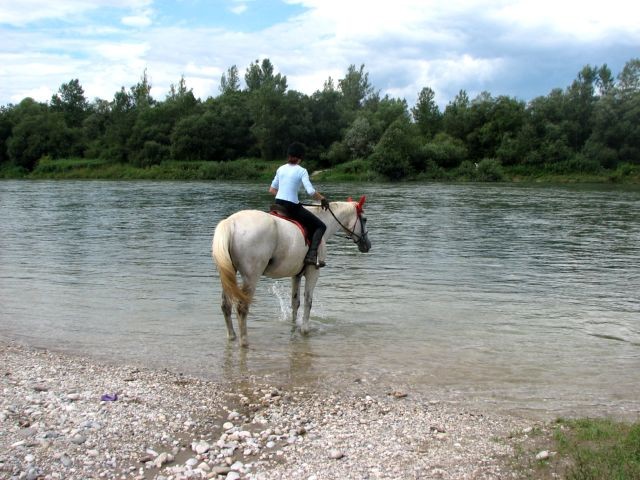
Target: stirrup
(314,260)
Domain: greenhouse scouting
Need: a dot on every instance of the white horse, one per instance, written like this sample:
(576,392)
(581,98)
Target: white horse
(256,243)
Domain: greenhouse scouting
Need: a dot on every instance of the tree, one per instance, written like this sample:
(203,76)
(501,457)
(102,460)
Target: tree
(266,103)
(359,138)
(230,82)
(393,153)
(141,92)
(6,126)
(629,77)
(355,88)
(326,116)
(455,117)
(261,74)
(580,101)
(36,133)
(426,113)
(604,80)
(71,102)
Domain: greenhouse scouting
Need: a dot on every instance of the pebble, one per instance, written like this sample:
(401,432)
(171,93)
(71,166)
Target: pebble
(166,422)
(221,470)
(335,454)
(543,455)
(201,447)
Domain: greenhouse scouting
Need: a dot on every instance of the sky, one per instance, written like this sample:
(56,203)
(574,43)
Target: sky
(519,48)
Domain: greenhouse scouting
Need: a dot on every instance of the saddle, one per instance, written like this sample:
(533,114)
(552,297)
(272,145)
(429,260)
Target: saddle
(280,211)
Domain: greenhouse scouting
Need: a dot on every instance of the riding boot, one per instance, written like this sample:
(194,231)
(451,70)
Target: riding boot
(312,254)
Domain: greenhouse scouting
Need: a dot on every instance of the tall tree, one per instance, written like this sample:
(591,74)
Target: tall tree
(230,81)
(455,117)
(266,93)
(355,88)
(141,92)
(71,102)
(426,113)
(629,77)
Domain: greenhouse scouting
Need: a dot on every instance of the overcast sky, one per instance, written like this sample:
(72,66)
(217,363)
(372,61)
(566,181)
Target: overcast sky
(518,48)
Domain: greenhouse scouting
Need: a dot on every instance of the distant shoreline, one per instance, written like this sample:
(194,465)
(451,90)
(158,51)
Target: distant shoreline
(262,171)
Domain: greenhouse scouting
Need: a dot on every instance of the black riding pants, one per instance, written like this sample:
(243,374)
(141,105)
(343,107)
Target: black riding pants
(304,216)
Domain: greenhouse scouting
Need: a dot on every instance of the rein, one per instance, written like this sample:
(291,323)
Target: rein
(351,232)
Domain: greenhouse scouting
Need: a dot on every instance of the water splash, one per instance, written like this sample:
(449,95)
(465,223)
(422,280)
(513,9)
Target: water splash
(283,294)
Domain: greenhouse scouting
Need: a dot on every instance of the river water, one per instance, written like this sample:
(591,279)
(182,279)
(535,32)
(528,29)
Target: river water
(517,298)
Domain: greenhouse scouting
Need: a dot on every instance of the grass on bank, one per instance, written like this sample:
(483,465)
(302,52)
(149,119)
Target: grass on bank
(359,170)
(583,449)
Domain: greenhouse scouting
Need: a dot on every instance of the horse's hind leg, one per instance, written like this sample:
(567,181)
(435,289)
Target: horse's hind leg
(295,297)
(226,311)
(243,310)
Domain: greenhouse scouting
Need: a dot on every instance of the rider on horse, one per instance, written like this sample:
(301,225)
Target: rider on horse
(285,185)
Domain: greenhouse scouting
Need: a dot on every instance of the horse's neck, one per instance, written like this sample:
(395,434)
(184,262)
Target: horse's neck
(342,212)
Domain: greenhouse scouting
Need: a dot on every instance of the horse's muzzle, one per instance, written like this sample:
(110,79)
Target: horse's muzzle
(364,244)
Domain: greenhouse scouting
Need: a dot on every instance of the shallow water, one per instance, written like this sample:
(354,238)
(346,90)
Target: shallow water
(516,298)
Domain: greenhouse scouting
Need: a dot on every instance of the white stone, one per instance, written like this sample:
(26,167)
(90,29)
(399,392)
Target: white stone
(543,455)
(202,447)
(335,454)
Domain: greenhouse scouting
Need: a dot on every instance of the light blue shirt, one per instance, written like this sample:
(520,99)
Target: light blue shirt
(288,179)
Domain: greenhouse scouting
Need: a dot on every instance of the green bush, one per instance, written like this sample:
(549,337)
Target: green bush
(576,164)
(466,171)
(489,170)
(444,150)
(393,153)
(153,153)
(337,153)
(597,152)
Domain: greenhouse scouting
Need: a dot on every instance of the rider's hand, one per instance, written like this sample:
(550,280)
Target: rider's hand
(325,204)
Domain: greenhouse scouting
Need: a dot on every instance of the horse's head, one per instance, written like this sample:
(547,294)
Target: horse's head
(359,234)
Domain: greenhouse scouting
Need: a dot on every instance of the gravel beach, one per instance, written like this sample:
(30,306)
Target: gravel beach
(69,417)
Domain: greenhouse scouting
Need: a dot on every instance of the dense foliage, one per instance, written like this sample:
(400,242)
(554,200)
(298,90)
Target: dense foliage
(591,125)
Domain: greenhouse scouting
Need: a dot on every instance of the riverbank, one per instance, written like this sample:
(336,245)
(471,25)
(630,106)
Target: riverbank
(252,169)
(64,416)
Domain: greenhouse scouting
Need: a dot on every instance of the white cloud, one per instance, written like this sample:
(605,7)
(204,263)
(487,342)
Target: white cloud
(121,52)
(239,9)
(139,21)
(405,45)
(24,12)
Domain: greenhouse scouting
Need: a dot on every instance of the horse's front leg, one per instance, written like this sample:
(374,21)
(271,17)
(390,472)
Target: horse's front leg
(295,297)
(311,278)
(226,311)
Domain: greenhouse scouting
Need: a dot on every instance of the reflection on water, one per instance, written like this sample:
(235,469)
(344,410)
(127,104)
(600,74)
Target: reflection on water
(522,298)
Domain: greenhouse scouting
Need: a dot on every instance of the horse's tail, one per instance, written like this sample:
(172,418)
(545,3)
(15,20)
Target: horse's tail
(222,257)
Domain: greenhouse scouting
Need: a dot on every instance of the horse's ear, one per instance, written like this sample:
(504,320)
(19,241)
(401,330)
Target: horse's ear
(349,199)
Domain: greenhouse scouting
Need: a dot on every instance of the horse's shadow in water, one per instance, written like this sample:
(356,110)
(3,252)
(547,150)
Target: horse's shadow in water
(297,365)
